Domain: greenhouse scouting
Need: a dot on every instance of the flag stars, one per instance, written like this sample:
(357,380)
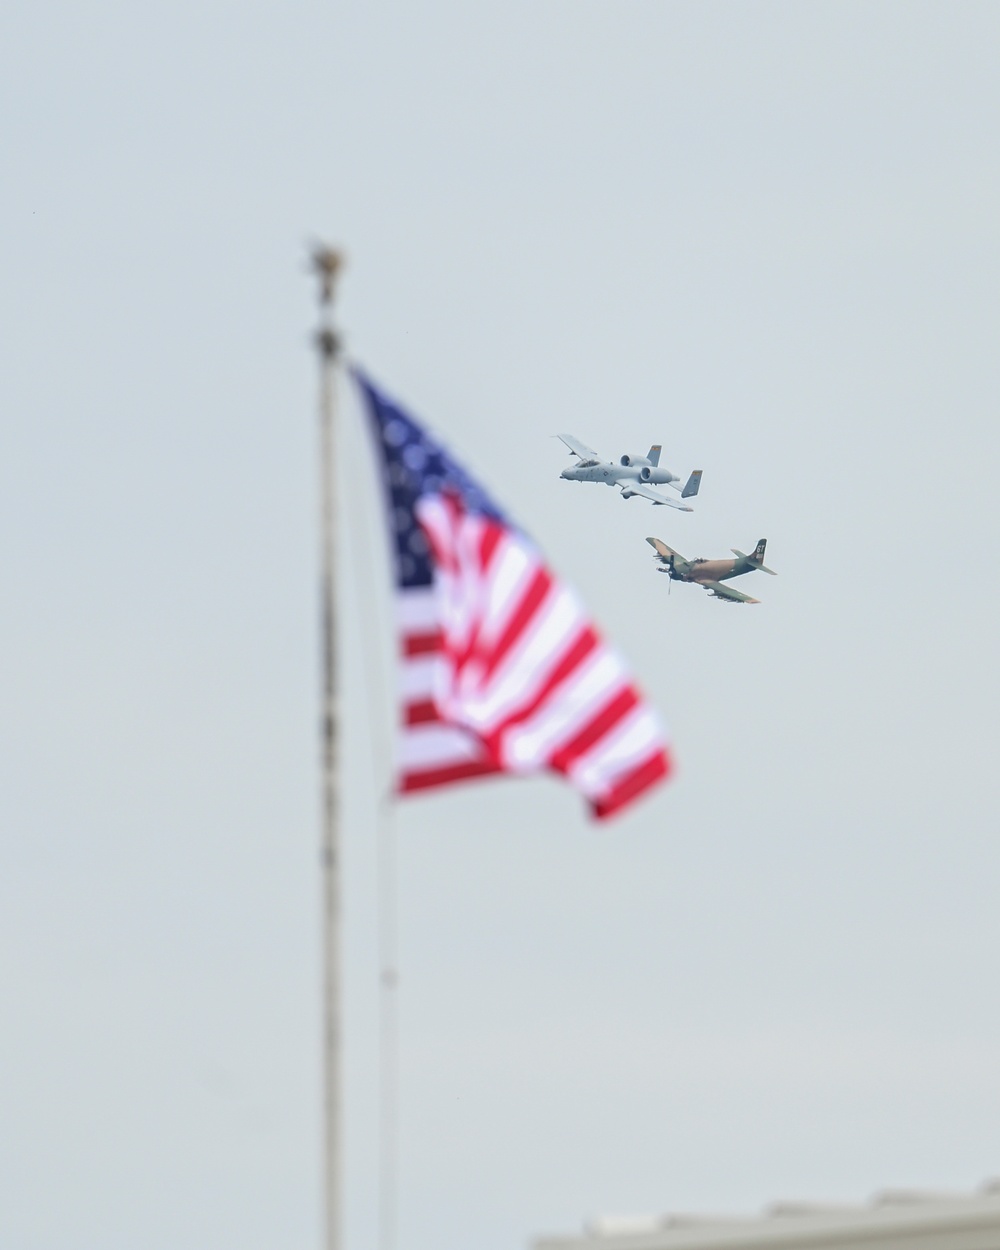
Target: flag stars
(416,466)
(395,432)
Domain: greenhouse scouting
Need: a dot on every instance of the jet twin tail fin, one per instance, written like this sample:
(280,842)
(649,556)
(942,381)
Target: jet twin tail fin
(654,455)
(692,485)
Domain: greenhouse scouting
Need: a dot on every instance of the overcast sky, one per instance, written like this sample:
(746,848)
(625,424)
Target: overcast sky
(763,234)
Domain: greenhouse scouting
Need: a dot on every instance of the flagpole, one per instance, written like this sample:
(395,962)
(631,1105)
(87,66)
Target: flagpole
(327,263)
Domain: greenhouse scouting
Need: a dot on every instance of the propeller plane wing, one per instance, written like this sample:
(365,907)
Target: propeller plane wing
(728,592)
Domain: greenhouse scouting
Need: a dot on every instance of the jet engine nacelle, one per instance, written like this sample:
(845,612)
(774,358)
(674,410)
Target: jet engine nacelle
(632,462)
(655,477)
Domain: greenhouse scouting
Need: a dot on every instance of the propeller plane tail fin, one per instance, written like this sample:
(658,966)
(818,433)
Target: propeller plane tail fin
(755,561)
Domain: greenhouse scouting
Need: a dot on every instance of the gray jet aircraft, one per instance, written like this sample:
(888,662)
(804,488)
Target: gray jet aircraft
(636,475)
(711,573)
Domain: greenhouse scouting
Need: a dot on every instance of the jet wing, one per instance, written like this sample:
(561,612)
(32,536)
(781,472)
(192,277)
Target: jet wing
(663,551)
(579,449)
(721,591)
(631,487)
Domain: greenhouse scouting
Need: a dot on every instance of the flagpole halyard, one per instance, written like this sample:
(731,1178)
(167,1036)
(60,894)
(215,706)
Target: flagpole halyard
(327,264)
(388,1027)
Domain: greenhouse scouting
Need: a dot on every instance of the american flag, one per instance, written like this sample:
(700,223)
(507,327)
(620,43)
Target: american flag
(502,671)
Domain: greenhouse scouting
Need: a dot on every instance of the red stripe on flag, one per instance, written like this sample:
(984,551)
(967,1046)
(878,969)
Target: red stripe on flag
(444,776)
(521,618)
(492,534)
(422,644)
(595,729)
(655,769)
(442,538)
(578,651)
(422,713)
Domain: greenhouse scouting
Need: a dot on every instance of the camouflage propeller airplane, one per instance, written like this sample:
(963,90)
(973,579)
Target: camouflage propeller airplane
(636,475)
(711,573)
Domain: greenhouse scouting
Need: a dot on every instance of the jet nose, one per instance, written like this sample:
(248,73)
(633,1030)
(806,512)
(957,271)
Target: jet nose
(564,474)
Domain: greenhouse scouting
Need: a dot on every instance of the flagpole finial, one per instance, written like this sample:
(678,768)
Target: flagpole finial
(327,262)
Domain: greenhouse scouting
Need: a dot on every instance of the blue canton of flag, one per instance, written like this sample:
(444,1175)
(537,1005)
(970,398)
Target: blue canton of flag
(416,465)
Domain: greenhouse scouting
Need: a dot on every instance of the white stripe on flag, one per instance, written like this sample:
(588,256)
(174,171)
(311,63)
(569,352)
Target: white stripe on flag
(526,667)
(418,610)
(568,710)
(426,747)
(628,744)
(511,572)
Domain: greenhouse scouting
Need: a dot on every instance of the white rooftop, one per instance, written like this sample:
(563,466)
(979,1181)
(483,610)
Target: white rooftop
(894,1219)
